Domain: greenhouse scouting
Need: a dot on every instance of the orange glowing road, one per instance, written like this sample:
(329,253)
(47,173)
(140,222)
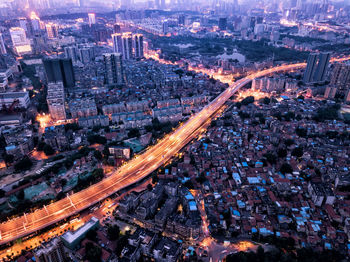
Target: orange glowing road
(133,171)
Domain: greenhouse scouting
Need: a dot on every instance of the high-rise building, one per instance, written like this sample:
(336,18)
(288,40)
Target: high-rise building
(138,45)
(113,69)
(223,23)
(92,19)
(2,45)
(52,251)
(310,68)
(116,28)
(35,22)
(322,66)
(18,36)
(165,27)
(162,4)
(117,43)
(56,101)
(60,70)
(316,69)
(72,53)
(127,46)
(23,23)
(339,82)
(51,30)
(86,53)
(181,19)
(20,41)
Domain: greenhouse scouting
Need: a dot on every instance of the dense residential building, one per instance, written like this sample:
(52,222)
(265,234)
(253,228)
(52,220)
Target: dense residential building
(56,101)
(52,251)
(14,99)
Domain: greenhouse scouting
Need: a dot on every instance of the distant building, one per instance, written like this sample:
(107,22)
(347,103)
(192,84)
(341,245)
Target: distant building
(116,28)
(92,19)
(56,101)
(60,70)
(138,45)
(117,43)
(52,251)
(223,23)
(339,82)
(2,45)
(113,69)
(51,30)
(86,53)
(71,52)
(127,50)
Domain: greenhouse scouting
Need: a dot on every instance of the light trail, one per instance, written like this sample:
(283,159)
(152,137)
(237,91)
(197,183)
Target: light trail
(134,170)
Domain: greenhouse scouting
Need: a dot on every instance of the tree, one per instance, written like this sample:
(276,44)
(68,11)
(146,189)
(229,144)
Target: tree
(97,173)
(98,155)
(93,139)
(48,150)
(298,152)
(248,100)
(134,132)
(93,252)
(20,194)
(113,232)
(40,146)
(9,158)
(91,235)
(286,168)
(301,132)
(282,153)
(271,158)
(24,164)
(266,100)
(289,142)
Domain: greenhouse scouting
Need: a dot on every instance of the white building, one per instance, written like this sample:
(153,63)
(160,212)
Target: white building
(21,99)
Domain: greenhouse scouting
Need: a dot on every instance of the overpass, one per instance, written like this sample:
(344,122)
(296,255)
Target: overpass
(134,170)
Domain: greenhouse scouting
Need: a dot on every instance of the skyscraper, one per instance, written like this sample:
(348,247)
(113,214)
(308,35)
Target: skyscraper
(117,43)
(310,68)
(2,45)
(92,19)
(316,68)
(138,45)
(127,46)
(60,70)
(322,66)
(113,69)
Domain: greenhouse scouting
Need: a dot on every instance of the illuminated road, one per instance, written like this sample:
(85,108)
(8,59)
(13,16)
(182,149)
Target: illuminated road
(133,171)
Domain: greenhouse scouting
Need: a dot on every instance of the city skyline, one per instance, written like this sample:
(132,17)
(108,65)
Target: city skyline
(174,130)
